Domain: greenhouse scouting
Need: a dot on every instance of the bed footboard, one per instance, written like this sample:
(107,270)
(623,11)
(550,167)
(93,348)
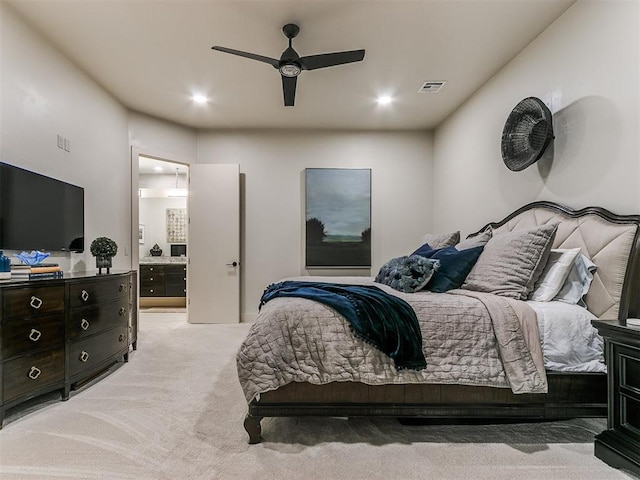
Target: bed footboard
(570,395)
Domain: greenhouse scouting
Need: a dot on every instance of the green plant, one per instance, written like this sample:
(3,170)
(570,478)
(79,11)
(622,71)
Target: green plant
(103,247)
(315,231)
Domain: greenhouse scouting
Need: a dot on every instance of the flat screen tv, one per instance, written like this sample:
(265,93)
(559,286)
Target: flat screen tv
(39,212)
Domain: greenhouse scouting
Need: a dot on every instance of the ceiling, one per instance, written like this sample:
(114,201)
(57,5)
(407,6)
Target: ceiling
(154,55)
(153,166)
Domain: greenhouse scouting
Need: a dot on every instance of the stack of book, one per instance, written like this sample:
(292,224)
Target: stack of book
(33,272)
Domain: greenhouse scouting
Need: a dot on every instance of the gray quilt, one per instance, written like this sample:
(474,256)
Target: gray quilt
(469,338)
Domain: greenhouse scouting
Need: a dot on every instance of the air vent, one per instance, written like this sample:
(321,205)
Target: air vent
(431,87)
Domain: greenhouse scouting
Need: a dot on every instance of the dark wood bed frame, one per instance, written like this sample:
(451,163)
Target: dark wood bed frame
(571,395)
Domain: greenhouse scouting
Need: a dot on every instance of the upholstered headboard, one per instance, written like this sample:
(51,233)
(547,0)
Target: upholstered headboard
(611,241)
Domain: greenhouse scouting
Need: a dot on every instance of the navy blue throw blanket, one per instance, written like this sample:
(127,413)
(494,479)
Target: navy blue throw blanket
(376,317)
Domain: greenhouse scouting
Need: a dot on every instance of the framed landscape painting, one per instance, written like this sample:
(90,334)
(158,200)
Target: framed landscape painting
(338,217)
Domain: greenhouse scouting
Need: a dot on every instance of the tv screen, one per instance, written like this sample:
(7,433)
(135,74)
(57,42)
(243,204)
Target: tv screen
(39,212)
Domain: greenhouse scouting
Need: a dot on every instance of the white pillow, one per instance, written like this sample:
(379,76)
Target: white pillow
(554,274)
(578,282)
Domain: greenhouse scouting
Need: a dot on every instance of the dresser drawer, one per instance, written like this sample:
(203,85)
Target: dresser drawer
(179,279)
(149,271)
(91,352)
(32,300)
(179,269)
(175,291)
(154,281)
(156,291)
(91,293)
(30,373)
(175,284)
(97,318)
(24,335)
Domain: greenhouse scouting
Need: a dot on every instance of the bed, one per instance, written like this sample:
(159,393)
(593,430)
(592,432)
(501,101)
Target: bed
(487,355)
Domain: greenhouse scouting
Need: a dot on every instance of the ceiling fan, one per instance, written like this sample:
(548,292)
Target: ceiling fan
(291,64)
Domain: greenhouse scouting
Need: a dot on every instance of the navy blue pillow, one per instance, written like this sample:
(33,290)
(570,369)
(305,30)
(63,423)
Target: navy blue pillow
(424,250)
(455,265)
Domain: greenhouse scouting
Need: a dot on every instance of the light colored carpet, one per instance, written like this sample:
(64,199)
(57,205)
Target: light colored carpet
(175,411)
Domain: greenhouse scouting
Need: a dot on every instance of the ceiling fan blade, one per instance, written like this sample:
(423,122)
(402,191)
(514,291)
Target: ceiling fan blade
(330,59)
(289,90)
(271,61)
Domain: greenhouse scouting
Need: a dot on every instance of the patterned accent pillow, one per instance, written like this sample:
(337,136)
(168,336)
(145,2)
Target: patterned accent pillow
(512,262)
(407,274)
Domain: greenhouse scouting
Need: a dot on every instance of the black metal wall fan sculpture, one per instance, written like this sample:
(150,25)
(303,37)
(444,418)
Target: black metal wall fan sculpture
(527,133)
(291,64)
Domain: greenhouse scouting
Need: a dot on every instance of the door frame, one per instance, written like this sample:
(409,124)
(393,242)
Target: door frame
(135,199)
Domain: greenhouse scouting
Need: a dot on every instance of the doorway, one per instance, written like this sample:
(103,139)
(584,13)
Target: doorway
(162,233)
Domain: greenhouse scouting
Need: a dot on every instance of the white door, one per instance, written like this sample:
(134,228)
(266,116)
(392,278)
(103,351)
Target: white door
(213,273)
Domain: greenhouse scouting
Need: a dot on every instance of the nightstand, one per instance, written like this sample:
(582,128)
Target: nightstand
(619,445)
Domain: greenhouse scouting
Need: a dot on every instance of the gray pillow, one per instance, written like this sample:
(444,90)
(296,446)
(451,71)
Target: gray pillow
(439,240)
(479,240)
(407,274)
(512,262)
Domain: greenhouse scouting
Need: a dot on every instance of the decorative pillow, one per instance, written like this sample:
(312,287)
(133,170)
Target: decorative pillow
(424,250)
(479,240)
(578,281)
(407,274)
(554,274)
(455,265)
(439,240)
(512,262)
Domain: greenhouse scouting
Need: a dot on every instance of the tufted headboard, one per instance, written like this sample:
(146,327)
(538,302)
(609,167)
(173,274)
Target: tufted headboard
(611,241)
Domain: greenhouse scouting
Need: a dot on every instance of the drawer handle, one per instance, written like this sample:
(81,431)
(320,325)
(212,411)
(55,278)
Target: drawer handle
(35,302)
(121,311)
(84,324)
(150,278)
(34,373)
(151,290)
(151,269)
(35,335)
(123,287)
(84,295)
(121,338)
(84,356)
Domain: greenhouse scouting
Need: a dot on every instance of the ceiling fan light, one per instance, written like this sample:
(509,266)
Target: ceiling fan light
(290,69)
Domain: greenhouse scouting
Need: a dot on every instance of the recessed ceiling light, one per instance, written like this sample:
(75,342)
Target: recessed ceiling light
(384,100)
(157,169)
(199,99)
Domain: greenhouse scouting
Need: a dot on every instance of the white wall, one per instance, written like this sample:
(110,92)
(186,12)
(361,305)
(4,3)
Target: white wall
(162,139)
(43,95)
(585,66)
(153,215)
(272,165)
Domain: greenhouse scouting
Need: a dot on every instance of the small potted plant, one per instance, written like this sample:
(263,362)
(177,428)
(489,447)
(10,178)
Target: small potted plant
(104,249)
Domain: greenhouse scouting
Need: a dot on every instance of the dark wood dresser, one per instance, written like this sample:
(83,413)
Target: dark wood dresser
(57,334)
(619,445)
(163,280)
